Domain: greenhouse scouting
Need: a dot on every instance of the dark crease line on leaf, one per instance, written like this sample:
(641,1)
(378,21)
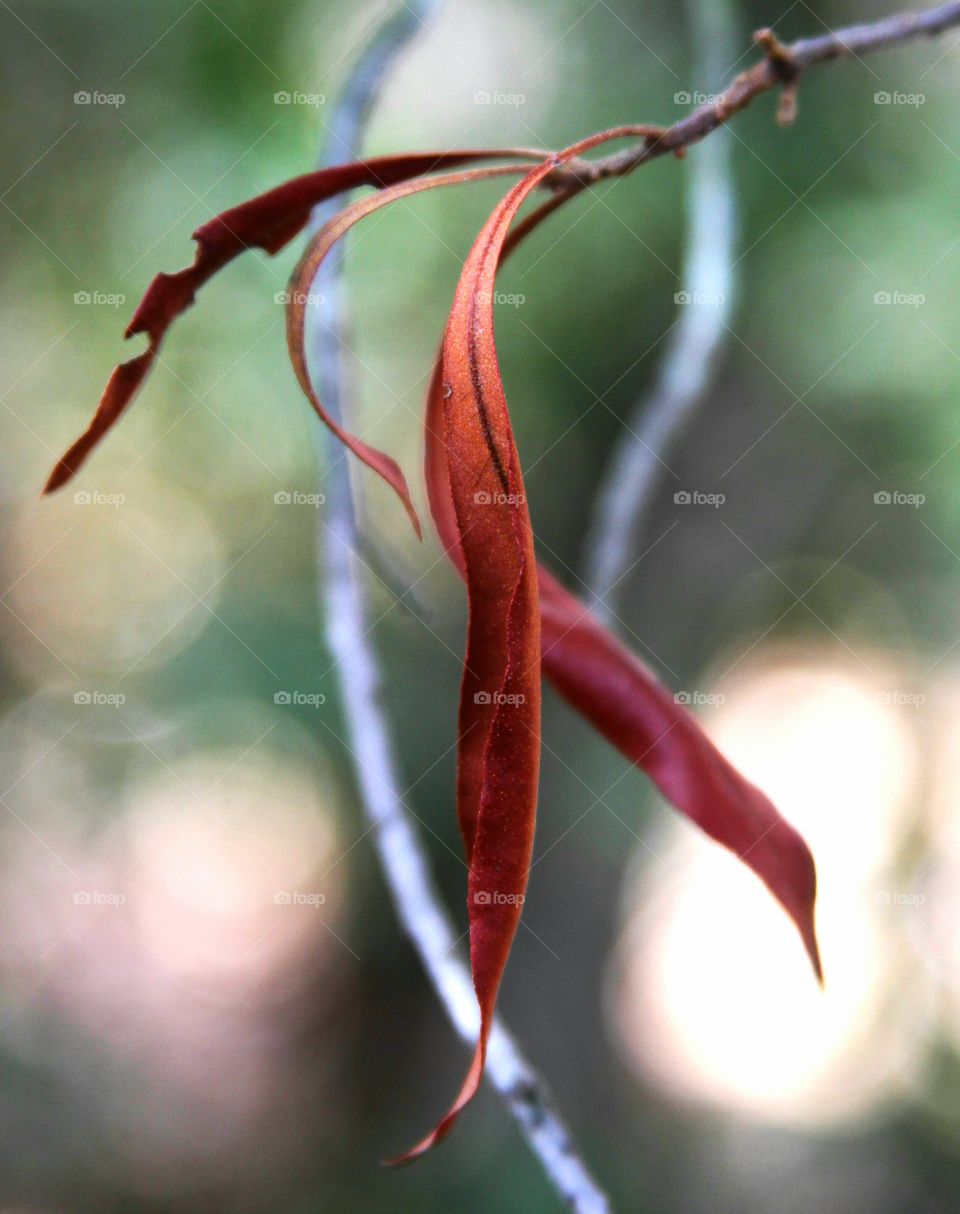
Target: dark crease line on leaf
(475,376)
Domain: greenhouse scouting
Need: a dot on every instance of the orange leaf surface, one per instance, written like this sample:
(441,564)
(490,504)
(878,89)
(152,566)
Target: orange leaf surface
(632,709)
(298,296)
(499,724)
(625,702)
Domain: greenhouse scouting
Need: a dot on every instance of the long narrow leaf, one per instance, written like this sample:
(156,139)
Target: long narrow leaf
(626,703)
(268,222)
(499,723)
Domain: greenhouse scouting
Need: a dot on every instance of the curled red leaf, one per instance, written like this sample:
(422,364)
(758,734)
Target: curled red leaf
(499,720)
(623,699)
(298,295)
(268,222)
(631,708)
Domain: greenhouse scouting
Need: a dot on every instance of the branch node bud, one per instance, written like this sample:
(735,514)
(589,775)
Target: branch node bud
(787,109)
(784,66)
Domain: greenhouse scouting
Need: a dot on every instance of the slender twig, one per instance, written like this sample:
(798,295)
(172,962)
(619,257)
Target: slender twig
(781,65)
(709,282)
(343,593)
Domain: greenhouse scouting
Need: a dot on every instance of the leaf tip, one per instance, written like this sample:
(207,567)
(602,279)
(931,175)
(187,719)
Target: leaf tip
(808,933)
(61,473)
(425,1145)
(415,519)
(801,907)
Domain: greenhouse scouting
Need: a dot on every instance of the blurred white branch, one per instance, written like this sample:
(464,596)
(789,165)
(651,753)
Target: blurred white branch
(342,589)
(706,294)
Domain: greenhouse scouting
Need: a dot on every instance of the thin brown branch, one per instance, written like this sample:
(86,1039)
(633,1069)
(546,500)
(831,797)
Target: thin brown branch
(782,65)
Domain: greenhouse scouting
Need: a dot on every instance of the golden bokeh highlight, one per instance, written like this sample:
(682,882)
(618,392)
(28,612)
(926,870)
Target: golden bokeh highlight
(711,997)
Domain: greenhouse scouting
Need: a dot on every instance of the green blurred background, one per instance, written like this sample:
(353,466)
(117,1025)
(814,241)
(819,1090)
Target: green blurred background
(205,1000)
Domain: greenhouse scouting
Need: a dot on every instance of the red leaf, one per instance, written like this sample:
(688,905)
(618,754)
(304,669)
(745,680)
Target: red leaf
(499,727)
(635,712)
(298,295)
(477,498)
(268,221)
(626,703)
